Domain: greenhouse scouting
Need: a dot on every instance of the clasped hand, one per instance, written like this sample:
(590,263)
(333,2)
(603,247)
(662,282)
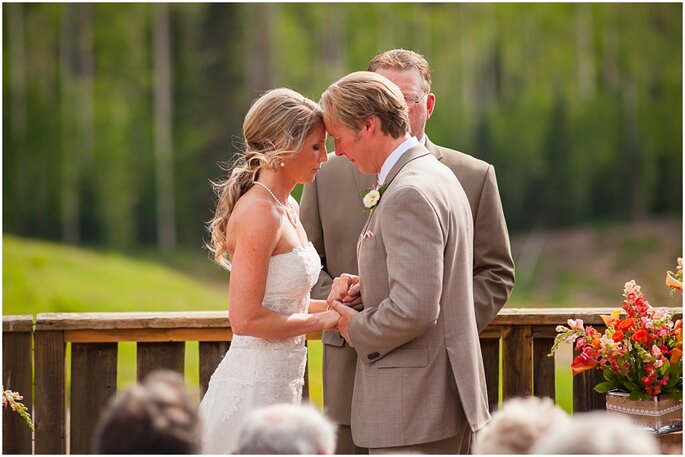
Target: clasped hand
(345,298)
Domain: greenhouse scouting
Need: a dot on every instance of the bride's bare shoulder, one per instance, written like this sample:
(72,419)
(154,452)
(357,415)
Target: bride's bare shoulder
(254,217)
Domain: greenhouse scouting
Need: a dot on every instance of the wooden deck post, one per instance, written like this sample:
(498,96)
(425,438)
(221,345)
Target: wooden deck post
(93,384)
(50,391)
(17,376)
(517,362)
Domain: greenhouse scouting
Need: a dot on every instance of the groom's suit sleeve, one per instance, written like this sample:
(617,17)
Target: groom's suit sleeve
(414,241)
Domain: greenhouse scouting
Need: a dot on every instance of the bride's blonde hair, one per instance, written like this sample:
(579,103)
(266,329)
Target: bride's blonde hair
(274,130)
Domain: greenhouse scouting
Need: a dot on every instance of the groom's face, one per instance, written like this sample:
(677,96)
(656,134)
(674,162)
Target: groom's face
(348,142)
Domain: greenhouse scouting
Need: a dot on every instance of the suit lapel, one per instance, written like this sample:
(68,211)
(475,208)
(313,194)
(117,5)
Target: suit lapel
(412,153)
(433,149)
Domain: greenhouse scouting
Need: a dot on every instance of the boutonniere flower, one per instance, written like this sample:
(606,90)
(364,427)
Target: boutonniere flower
(371,197)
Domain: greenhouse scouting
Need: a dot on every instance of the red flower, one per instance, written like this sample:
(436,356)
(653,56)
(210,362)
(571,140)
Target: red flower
(617,336)
(641,336)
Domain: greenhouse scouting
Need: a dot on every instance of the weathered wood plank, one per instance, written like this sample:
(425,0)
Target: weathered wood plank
(211,354)
(104,321)
(17,323)
(543,368)
(93,383)
(584,396)
(151,335)
(148,335)
(17,376)
(517,361)
(490,350)
(554,316)
(219,319)
(50,404)
(156,356)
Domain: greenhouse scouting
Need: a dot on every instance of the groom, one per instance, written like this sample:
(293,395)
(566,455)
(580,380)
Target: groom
(420,384)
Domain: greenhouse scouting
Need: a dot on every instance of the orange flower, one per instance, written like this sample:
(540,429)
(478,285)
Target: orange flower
(610,318)
(584,361)
(676,354)
(625,325)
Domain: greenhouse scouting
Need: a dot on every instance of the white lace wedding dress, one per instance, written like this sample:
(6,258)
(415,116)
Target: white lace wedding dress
(256,372)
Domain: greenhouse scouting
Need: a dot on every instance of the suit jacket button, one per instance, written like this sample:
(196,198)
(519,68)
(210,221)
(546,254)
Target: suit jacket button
(373,355)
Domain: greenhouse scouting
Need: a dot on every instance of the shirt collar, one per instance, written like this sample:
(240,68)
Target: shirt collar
(394,157)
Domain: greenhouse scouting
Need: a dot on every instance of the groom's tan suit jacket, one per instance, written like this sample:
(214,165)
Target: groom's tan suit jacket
(332,213)
(417,338)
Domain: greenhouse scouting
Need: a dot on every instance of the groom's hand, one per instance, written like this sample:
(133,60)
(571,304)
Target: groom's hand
(345,289)
(346,313)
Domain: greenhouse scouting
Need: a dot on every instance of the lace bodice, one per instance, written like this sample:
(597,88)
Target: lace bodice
(291,276)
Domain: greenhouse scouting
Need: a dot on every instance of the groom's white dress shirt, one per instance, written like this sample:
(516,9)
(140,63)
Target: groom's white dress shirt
(394,157)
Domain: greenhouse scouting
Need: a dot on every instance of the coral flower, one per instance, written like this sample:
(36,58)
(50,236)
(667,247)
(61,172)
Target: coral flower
(586,360)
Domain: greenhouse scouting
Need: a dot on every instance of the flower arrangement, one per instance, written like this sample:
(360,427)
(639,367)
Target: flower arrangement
(640,352)
(371,197)
(13,400)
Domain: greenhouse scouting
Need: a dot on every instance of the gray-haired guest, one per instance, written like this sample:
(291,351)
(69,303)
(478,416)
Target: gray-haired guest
(285,428)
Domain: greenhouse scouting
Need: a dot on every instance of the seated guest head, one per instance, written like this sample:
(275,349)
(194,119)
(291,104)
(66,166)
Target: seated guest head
(286,428)
(597,433)
(515,428)
(157,416)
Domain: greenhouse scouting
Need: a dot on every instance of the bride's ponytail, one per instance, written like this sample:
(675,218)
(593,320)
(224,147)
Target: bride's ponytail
(274,130)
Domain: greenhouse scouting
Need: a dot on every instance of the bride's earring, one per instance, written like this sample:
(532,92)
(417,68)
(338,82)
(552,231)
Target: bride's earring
(282,164)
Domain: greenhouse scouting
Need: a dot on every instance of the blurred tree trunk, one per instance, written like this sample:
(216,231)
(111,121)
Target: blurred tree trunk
(331,37)
(586,60)
(163,144)
(18,111)
(259,64)
(76,71)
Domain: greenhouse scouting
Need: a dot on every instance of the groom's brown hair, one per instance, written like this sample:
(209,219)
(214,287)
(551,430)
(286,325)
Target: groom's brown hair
(360,95)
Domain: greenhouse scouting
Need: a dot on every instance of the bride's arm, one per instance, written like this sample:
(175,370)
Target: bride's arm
(257,232)
(317,306)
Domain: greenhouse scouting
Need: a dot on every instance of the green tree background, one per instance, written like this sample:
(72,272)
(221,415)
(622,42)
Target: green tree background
(116,115)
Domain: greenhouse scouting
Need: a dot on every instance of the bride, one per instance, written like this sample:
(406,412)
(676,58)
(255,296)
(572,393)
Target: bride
(256,234)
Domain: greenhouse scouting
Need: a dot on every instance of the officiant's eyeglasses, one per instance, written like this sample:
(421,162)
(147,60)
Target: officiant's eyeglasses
(414,101)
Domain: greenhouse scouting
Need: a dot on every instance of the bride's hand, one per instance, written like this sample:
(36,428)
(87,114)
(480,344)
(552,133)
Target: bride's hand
(329,319)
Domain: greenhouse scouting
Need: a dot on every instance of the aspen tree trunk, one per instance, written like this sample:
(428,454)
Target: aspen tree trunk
(584,43)
(17,216)
(259,65)
(163,144)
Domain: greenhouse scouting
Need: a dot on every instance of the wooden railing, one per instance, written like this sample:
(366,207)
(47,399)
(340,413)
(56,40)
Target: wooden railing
(35,352)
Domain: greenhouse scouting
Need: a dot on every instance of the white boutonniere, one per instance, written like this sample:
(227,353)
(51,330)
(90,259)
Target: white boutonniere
(371,197)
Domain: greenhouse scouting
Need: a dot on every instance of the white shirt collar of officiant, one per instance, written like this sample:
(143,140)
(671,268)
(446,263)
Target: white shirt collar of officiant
(395,156)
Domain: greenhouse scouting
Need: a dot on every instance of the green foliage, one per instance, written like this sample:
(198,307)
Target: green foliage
(578,106)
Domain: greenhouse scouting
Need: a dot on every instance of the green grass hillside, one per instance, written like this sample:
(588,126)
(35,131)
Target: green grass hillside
(39,277)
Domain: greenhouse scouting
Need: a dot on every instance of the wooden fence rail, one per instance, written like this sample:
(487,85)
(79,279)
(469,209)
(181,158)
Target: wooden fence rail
(36,352)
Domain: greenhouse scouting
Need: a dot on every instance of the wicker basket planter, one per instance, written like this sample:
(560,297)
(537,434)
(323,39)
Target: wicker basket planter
(660,414)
